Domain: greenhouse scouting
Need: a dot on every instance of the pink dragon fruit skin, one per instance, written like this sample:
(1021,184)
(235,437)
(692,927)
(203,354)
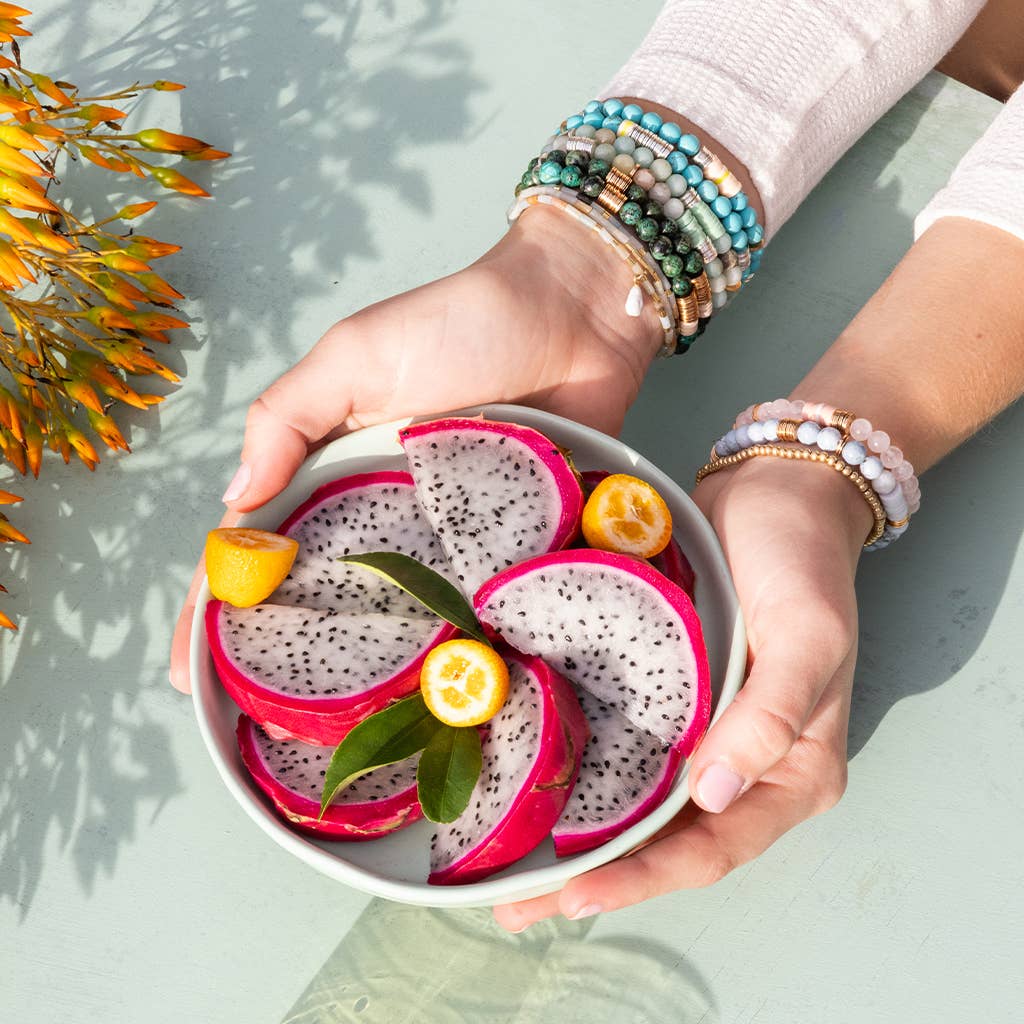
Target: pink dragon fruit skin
(380,802)
(671,562)
(486,487)
(270,697)
(559,733)
(624,775)
(652,669)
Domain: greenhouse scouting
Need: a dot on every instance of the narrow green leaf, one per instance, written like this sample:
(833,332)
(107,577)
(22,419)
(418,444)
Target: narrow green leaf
(448,770)
(390,735)
(428,587)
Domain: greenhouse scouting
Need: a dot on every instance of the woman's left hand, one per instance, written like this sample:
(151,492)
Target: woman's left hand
(792,534)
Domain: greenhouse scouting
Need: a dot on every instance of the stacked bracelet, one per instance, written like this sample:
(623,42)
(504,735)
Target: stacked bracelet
(832,434)
(676,197)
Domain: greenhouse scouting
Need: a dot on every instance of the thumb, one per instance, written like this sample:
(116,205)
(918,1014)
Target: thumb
(769,714)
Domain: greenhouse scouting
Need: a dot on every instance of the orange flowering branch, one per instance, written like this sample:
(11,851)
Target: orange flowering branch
(76,321)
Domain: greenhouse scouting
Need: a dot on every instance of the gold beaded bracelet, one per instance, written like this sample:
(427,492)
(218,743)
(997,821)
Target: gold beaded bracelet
(805,455)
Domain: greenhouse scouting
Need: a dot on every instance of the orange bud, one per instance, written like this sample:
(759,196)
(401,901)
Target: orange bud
(79,391)
(9,26)
(159,141)
(95,112)
(156,285)
(49,89)
(155,321)
(22,197)
(27,357)
(14,451)
(15,228)
(6,62)
(83,448)
(125,263)
(18,138)
(46,238)
(162,85)
(6,498)
(108,319)
(208,154)
(14,160)
(108,431)
(136,210)
(10,104)
(152,399)
(149,248)
(42,129)
(34,447)
(7,623)
(13,263)
(170,178)
(9,532)
(122,393)
(118,291)
(13,11)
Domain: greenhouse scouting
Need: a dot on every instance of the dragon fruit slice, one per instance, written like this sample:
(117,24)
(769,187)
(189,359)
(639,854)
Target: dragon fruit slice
(671,562)
(365,512)
(624,775)
(614,626)
(314,674)
(531,756)
(292,773)
(495,493)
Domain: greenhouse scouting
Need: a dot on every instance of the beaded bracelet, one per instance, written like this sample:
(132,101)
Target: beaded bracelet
(877,533)
(826,430)
(645,279)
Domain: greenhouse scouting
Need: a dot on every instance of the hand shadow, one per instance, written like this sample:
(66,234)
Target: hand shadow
(408,965)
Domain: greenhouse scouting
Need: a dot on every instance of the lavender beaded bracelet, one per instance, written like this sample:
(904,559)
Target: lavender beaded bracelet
(851,439)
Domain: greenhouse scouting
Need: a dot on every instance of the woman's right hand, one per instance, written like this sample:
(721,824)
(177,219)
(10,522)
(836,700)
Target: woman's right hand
(538,320)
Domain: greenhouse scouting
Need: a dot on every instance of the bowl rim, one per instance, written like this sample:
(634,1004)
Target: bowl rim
(504,887)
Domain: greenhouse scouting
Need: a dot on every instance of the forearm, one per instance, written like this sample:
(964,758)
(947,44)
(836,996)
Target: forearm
(939,349)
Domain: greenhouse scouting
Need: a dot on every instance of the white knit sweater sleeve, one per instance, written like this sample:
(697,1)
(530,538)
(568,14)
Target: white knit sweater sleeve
(988,183)
(789,85)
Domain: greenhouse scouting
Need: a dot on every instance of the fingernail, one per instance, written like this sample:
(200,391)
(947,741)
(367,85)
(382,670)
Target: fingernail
(718,787)
(239,483)
(588,911)
(519,931)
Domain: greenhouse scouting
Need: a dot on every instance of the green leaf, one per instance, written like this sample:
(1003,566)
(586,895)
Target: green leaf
(390,735)
(428,587)
(448,770)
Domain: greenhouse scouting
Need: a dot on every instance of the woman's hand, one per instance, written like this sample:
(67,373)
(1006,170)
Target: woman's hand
(792,534)
(538,320)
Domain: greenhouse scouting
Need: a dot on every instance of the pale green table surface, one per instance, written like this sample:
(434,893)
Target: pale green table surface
(133,889)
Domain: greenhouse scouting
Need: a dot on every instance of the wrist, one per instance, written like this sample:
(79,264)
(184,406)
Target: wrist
(592,278)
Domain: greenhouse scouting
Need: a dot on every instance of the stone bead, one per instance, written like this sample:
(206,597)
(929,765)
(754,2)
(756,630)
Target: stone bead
(527,179)
(723,243)
(714,268)
(599,167)
(682,286)
(670,132)
(586,131)
(612,107)
(594,118)
(592,185)
(612,124)
(756,433)
(885,483)
(678,161)
(708,191)
(571,176)
(891,457)
(807,432)
(603,135)
(871,467)
(670,228)
(739,240)
(748,218)
(632,112)
(732,223)
(717,284)
(771,430)
(853,453)
(683,245)
(739,201)
(673,208)
(661,247)
(659,192)
(878,441)
(672,265)
(693,175)
(904,471)
(651,121)
(573,122)
(694,265)
(829,439)
(636,193)
(556,155)
(624,162)
(560,142)
(720,207)
(689,144)
(733,277)
(624,144)
(743,436)
(676,184)
(549,172)
(643,156)
(592,107)
(661,169)
(605,151)
(631,213)
(643,176)
(577,158)
(859,429)
(646,229)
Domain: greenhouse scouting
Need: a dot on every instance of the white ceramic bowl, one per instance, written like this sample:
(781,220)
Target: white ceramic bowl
(396,866)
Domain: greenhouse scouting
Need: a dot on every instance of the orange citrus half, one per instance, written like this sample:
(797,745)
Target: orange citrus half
(627,515)
(464,682)
(245,566)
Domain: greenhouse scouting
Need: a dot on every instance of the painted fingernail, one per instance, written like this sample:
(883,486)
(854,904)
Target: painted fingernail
(239,483)
(588,911)
(718,787)
(519,931)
